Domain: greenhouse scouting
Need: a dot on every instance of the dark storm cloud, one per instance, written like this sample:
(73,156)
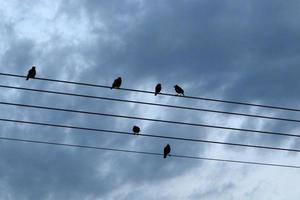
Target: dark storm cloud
(241,50)
(213,43)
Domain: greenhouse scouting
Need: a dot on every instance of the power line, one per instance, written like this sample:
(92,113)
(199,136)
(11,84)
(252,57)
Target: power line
(165,94)
(149,153)
(150,119)
(148,135)
(149,103)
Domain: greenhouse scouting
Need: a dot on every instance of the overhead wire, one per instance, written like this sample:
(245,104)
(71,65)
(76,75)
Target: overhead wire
(148,135)
(150,153)
(150,119)
(165,94)
(148,103)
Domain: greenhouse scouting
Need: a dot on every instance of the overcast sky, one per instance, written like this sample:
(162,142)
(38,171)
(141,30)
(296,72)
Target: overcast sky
(235,50)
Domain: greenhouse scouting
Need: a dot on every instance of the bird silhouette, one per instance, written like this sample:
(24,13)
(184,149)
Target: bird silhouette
(136,130)
(167,150)
(157,89)
(31,73)
(179,90)
(117,83)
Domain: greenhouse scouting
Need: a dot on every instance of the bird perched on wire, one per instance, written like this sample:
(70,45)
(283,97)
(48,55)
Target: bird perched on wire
(136,130)
(179,90)
(157,89)
(117,83)
(31,73)
(167,150)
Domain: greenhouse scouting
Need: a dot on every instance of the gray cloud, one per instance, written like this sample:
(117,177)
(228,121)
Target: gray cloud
(245,51)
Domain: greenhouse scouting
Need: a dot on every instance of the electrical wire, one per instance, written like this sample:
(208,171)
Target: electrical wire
(149,153)
(148,135)
(155,120)
(165,94)
(151,119)
(149,103)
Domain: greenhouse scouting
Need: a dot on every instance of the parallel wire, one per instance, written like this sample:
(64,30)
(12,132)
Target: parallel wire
(165,94)
(151,119)
(149,103)
(148,135)
(155,120)
(150,153)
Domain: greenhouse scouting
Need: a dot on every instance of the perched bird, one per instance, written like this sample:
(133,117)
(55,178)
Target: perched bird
(179,90)
(136,130)
(117,83)
(167,150)
(31,73)
(157,89)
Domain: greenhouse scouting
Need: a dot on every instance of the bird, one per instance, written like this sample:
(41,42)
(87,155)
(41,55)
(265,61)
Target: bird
(179,90)
(167,150)
(136,130)
(157,89)
(117,83)
(31,73)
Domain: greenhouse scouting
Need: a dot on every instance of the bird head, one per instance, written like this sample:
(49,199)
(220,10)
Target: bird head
(33,67)
(175,86)
(119,78)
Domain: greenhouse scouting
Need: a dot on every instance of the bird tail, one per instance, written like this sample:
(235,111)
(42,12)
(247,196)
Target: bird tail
(27,78)
(165,155)
(155,94)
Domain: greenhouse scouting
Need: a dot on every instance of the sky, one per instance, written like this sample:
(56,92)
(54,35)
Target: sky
(236,50)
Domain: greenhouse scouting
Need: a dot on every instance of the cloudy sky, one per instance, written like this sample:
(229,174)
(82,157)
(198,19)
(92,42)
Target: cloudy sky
(236,50)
